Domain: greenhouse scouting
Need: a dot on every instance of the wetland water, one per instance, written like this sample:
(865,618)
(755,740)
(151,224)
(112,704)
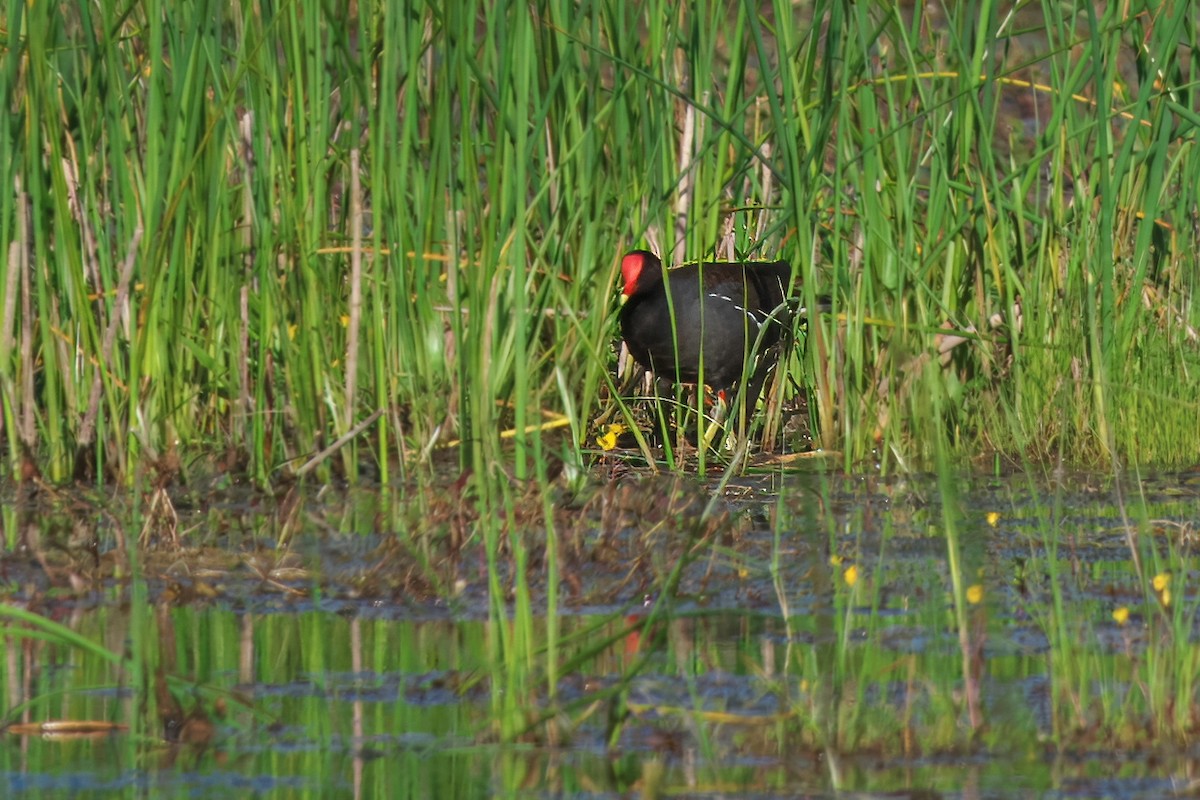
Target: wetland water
(809,644)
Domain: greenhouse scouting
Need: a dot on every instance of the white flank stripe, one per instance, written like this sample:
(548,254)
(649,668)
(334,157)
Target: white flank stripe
(757,322)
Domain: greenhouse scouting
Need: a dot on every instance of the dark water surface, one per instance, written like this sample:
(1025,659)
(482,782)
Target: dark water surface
(808,646)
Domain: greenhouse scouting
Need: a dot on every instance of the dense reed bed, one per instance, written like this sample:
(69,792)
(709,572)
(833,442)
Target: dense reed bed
(255,232)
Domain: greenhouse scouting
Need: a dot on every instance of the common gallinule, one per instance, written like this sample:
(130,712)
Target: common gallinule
(723,317)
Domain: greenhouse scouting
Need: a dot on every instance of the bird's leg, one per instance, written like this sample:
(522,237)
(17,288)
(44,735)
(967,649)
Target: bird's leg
(667,413)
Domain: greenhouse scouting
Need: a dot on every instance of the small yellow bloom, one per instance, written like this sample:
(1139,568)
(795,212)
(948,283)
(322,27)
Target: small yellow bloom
(292,332)
(1164,597)
(1121,614)
(608,439)
(345,318)
(993,517)
(1161,581)
(850,575)
(975,594)
(835,560)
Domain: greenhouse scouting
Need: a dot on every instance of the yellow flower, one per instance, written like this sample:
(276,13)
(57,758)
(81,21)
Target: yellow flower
(1161,581)
(993,517)
(835,560)
(1164,597)
(850,575)
(975,594)
(1121,614)
(608,439)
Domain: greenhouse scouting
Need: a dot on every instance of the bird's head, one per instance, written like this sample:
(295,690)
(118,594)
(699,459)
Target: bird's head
(640,269)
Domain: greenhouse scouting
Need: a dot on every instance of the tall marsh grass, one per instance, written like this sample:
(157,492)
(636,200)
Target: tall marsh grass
(270,232)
